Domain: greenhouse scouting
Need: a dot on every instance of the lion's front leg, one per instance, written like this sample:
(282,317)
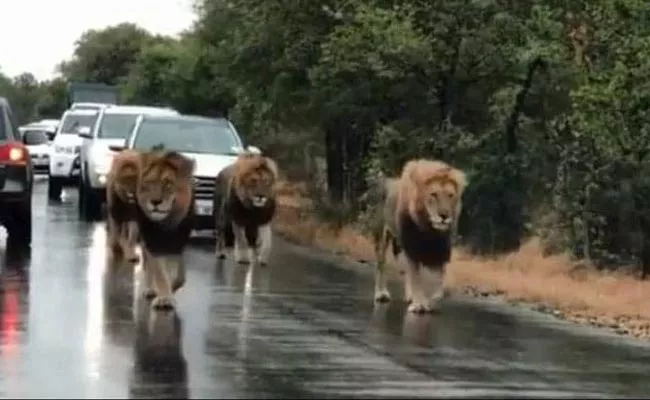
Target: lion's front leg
(441,291)
(131,240)
(382,295)
(161,267)
(113,238)
(265,234)
(147,261)
(241,245)
(220,231)
(419,304)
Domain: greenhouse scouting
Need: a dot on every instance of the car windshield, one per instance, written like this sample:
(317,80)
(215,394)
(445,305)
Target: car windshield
(35,137)
(72,122)
(116,126)
(186,135)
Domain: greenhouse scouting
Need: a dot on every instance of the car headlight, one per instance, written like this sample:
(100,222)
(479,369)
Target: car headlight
(102,166)
(101,159)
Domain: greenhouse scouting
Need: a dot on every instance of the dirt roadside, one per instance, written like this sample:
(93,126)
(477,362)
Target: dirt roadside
(553,285)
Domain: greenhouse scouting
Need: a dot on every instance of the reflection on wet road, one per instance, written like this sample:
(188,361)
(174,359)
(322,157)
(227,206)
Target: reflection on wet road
(72,326)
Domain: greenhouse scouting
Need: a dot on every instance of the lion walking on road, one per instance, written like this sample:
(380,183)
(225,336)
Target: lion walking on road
(244,206)
(122,230)
(419,213)
(165,198)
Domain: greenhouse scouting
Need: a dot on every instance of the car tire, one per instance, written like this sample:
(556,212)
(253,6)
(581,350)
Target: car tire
(90,204)
(54,187)
(19,226)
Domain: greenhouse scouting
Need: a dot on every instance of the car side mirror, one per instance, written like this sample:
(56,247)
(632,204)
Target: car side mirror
(254,149)
(116,148)
(84,132)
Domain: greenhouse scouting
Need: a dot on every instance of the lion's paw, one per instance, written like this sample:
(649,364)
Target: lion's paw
(149,293)
(418,308)
(163,303)
(382,296)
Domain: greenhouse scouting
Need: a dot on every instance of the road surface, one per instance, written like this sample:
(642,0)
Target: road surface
(303,327)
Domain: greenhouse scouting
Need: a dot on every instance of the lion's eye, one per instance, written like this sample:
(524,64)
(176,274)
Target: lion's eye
(433,195)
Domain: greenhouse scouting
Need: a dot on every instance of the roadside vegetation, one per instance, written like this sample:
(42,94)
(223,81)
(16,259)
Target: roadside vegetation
(545,105)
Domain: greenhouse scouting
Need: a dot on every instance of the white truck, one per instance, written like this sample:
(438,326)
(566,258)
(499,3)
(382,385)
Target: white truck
(114,124)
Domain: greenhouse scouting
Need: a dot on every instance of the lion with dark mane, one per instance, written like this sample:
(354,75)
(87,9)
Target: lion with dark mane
(244,204)
(419,213)
(122,229)
(165,198)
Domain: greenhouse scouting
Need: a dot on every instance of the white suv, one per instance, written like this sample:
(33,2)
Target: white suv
(113,126)
(64,156)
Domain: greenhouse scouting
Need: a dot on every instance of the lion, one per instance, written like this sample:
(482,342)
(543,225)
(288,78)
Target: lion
(419,215)
(121,181)
(245,204)
(165,199)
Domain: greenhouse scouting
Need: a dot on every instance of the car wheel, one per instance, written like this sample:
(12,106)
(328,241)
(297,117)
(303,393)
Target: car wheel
(54,188)
(19,226)
(80,198)
(91,204)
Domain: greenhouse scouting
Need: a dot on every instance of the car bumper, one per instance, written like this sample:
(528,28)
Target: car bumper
(40,162)
(15,185)
(64,166)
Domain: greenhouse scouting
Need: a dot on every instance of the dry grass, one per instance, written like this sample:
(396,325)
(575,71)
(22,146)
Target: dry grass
(575,292)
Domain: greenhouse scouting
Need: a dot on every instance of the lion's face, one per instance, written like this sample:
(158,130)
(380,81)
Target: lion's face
(164,184)
(440,202)
(432,191)
(255,182)
(125,183)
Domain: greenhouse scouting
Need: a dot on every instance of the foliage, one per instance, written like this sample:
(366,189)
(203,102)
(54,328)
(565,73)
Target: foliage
(543,103)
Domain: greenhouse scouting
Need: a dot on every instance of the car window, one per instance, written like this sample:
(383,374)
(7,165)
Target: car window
(72,122)
(12,127)
(34,137)
(116,126)
(211,137)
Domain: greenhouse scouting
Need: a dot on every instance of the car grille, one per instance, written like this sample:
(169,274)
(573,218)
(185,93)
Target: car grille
(203,187)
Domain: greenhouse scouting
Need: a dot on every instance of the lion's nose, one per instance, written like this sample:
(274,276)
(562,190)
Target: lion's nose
(444,215)
(156,202)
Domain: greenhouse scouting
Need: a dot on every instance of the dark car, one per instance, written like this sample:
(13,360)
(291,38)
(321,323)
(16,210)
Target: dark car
(16,181)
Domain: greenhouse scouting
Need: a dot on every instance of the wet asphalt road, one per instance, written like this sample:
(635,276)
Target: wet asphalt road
(303,327)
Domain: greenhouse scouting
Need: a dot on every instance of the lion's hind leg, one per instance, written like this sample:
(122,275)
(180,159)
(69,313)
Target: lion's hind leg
(176,268)
(382,295)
